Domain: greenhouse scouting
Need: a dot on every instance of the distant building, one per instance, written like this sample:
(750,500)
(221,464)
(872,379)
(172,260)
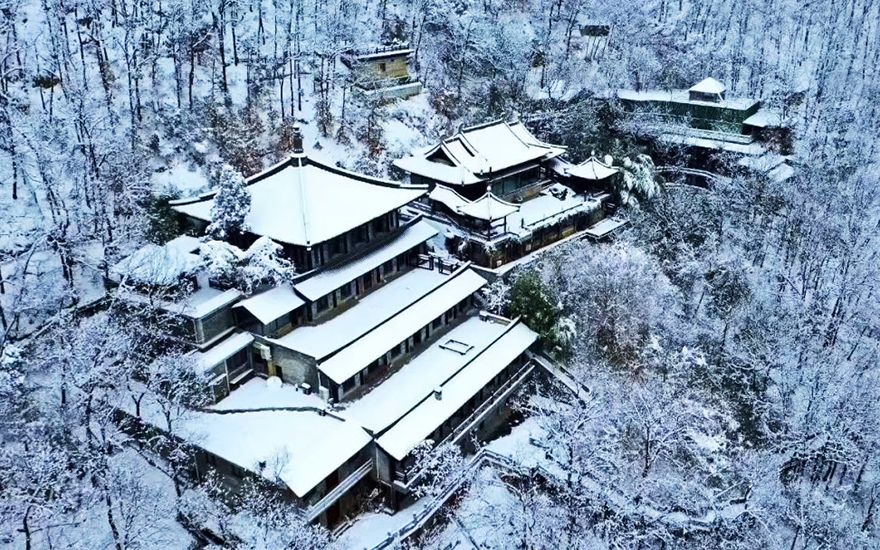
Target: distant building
(502,155)
(705,118)
(386,71)
(500,193)
(590,38)
(376,347)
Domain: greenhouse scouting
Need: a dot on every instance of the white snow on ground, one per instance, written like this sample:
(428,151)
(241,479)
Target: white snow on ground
(187,179)
(145,515)
(44,287)
(480,517)
(370,529)
(401,138)
(523,445)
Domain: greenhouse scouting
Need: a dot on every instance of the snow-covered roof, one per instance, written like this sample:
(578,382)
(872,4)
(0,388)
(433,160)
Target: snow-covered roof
(765,118)
(315,445)
(752,148)
(764,163)
(203,301)
(431,412)
(402,391)
(592,169)
(361,352)
(303,202)
(324,456)
(326,280)
(371,310)
(708,86)
(682,96)
(489,208)
(309,445)
(384,54)
(474,153)
(160,265)
(222,351)
(447,196)
(302,444)
(272,304)
(605,227)
(781,173)
(547,209)
(451,174)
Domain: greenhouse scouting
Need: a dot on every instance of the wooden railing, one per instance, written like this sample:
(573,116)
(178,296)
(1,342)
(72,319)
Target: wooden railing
(500,394)
(336,493)
(482,458)
(405,480)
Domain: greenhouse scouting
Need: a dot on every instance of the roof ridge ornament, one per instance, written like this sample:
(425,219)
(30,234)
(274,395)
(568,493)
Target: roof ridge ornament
(297,140)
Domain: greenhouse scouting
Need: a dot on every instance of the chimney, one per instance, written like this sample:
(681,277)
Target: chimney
(438,393)
(297,140)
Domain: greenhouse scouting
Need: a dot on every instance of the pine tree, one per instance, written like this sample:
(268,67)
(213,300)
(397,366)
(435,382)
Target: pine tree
(231,205)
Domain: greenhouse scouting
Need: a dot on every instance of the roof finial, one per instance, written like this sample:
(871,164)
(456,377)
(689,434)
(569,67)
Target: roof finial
(297,141)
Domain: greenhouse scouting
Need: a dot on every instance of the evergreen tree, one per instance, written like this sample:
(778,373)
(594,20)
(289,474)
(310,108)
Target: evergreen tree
(536,304)
(639,183)
(163,223)
(231,205)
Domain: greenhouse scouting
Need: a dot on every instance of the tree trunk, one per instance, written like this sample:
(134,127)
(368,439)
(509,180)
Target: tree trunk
(192,69)
(26,529)
(111,520)
(220,27)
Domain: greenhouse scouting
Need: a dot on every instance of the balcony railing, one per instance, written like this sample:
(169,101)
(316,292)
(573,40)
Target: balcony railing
(500,394)
(405,480)
(336,493)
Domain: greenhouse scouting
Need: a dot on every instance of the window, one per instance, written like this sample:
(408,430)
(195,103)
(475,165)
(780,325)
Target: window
(238,360)
(368,281)
(388,267)
(381,67)
(373,366)
(215,323)
(348,385)
(347,290)
(360,234)
(337,245)
(395,351)
(323,303)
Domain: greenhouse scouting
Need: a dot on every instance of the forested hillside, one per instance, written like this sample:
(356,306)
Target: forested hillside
(726,345)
